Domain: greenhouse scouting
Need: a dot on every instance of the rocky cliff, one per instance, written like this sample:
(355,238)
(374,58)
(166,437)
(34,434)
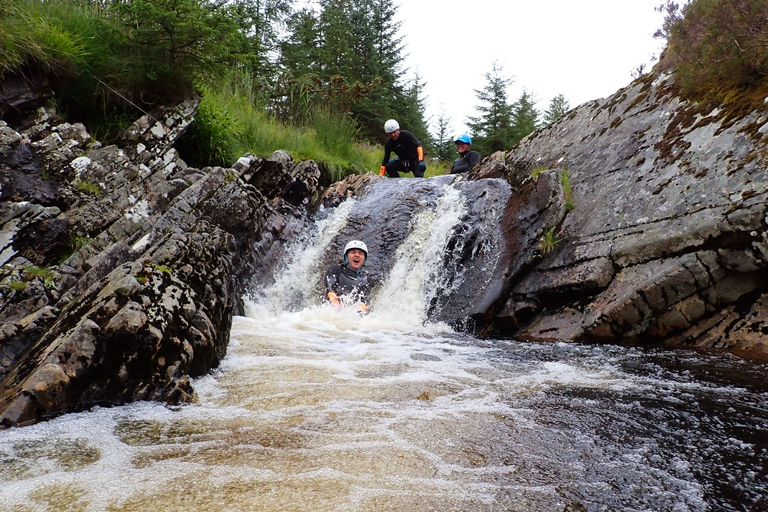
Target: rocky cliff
(121,266)
(655,233)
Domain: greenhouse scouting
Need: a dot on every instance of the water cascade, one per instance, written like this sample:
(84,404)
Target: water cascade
(318,409)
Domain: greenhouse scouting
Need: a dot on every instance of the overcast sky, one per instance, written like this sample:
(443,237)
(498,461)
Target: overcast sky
(584,49)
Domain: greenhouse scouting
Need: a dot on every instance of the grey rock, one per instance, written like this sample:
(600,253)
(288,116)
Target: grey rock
(667,239)
(156,257)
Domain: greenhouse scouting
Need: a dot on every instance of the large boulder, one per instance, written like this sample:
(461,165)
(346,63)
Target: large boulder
(663,236)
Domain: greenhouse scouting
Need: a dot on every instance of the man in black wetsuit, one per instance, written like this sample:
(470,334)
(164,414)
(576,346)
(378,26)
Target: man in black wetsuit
(347,283)
(468,158)
(408,149)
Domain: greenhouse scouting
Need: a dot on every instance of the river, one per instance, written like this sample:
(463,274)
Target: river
(318,409)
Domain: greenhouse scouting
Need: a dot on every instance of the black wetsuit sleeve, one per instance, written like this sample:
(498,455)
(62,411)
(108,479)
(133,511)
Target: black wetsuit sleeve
(332,279)
(387,152)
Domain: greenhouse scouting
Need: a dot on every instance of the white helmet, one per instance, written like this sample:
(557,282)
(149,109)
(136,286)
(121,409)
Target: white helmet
(355,244)
(390,126)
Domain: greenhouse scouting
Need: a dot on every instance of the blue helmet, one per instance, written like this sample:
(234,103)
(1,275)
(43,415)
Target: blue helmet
(464,138)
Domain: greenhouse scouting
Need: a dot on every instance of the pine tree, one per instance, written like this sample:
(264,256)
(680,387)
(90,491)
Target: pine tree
(412,111)
(493,127)
(261,20)
(299,53)
(444,140)
(558,107)
(353,53)
(175,43)
(525,117)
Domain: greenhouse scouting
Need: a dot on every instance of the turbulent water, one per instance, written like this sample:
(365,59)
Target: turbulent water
(318,409)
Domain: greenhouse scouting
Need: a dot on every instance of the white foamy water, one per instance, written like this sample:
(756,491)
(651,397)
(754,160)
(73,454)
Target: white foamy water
(319,409)
(313,410)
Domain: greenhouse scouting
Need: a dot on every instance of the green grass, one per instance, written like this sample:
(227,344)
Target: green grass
(34,31)
(437,168)
(537,171)
(548,242)
(42,272)
(74,244)
(17,286)
(161,268)
(87,187)
(233,121)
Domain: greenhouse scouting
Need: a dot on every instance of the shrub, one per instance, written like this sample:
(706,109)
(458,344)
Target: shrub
(716,43)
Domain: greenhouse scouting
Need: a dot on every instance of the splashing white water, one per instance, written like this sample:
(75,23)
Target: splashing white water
(404,295)
(400,302)
(296,281)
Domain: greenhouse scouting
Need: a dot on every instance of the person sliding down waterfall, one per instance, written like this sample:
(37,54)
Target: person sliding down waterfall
(409,151)
(347,284)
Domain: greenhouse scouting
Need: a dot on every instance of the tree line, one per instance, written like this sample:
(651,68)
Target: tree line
(117,56)
(339,60)
(500,124)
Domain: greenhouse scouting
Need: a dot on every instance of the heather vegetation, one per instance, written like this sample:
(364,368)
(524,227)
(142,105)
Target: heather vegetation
(718,48)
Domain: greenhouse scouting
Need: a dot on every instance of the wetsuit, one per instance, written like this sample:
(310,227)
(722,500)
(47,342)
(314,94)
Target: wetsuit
(405,148)
(466,162)
(351,286)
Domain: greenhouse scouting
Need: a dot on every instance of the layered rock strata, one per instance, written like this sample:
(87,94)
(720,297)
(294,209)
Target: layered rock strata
(121,266)
(662,237)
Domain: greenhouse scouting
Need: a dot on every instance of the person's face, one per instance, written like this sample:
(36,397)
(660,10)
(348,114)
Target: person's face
(394,135)
(462,147)
(355,258)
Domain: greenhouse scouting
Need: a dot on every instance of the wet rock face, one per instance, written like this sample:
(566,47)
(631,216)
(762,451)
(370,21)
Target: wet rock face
(667,238)
(121,266)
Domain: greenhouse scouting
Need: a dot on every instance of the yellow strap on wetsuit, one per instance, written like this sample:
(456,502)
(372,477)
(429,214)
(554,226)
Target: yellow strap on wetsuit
(420,151)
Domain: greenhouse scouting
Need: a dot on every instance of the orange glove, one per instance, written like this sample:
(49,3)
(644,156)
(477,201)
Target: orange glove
(382,171)
(420,151)
(334,299)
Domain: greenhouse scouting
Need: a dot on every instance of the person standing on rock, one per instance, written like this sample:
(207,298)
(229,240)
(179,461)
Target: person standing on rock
(409,151)
(347,284)
(468,158)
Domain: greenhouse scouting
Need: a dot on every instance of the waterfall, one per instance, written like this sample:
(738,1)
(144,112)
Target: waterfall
(426,244)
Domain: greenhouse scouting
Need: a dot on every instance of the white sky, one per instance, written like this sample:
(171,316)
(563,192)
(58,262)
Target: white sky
(583,49)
